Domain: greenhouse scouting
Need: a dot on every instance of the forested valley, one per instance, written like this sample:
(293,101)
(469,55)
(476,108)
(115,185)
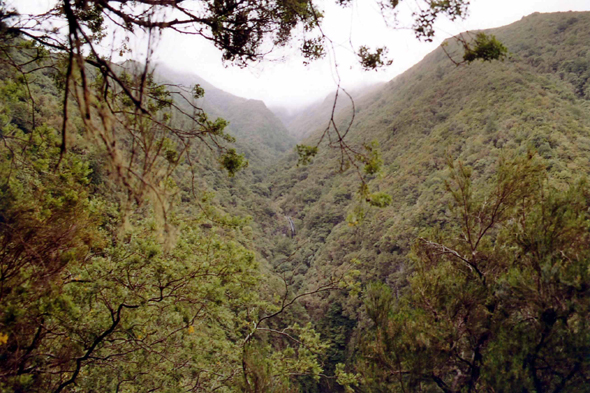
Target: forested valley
(208,244)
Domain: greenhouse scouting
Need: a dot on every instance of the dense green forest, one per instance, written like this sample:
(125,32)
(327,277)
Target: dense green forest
(450,139)
(141,252)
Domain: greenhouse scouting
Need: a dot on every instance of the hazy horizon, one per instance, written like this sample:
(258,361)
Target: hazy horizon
(282,81)
(290,84)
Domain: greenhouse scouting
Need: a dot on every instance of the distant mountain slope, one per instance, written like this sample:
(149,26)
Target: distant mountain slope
(537,99)
(260,134)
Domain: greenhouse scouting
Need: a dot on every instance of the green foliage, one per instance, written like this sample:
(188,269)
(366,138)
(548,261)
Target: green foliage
(305,154)
(373,60)
(49,222)
(372,159)
(380,199)
(496,300)
(176,310)
(424,23)
(356,215)
(378,301)
(486,48)
(97,291)
(313,49)
(233,162)
(270,370)
(198,91)
(346,379)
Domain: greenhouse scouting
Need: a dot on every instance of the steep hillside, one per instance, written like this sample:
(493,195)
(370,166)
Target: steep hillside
(473,113)
(260,134)
(538,99)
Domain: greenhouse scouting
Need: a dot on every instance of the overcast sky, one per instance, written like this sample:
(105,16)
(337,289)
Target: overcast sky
(289,83)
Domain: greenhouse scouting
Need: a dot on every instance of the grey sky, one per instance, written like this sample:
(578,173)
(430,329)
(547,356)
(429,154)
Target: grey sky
(289,83)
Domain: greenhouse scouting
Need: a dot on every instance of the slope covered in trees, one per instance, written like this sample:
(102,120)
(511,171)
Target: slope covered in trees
(436,113)
(106,287)
(260,134)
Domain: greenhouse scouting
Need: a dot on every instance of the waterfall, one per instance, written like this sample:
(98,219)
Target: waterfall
(291,225)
